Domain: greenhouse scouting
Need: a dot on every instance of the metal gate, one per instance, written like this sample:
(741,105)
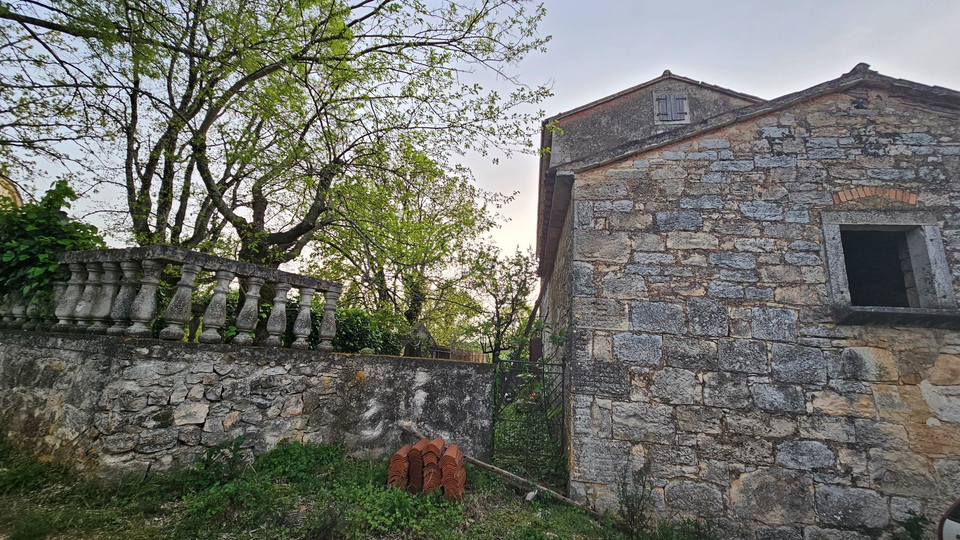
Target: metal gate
(528,426)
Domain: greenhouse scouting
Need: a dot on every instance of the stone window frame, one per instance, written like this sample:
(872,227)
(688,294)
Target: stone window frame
(938,303)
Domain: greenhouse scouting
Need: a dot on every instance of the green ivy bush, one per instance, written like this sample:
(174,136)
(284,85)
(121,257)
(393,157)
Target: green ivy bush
(31,237)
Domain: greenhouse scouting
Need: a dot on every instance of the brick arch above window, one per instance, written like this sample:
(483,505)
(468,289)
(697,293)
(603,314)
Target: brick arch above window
(886,193)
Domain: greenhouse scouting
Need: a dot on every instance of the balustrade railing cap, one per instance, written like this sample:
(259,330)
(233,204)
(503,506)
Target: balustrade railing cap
(175,255)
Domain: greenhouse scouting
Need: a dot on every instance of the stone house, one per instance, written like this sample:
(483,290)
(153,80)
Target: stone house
(760,300)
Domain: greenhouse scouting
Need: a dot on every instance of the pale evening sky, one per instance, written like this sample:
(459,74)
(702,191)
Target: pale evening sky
(765,48)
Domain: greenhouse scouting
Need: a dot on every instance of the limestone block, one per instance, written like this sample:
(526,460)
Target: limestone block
(948,476)
(761,211)
(691,240)
(869,364)
(704,202)
(684,220)
(770,161)
(722,289)
(707,317)
(725,389)
(623,286)
(647,242)
(776,324)
(944,401)
(637,349)
(745,355)
(690,353)
(945,371)
(779,533)
(778,397)
(658,317)
(773,496)
(760,424)
(599,313)
(797,364)
(582,274)
(732,259)
(642,421)
(805,455)
(852,508)
(736,448)
(676,386)
(901,508)
(901,473)
(877,433)
(699,419)
(156,440)
(832,403)
(190,413)
(611,246)
(603,189)
(695,498)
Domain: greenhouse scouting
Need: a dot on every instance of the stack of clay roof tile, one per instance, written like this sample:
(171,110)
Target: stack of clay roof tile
(427,466)
(399,465)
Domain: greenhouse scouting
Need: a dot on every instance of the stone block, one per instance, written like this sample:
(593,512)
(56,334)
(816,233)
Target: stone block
(779,533)
(694,498)
(623,286)
(689,353)
(732,166)
(817,533)
(776,324)
(760,424)
(773,496)
(658,317)
(725,389)
(744,355)
(944,401)
(714,144)
(699,419)
(802,259)
(715,178)
(772,161)
(704,202)
(735,448)
(852,508)
(642,422)
(599,313)
(945,371)
(190,413)
(684,220)
(582,275)
(637,349)
(742,261)
(691,240)
(778,397)
(723,289)
(761,211)
(805,455)
(901,473)
(676,386)
(707,317)
(797,364)
(647,242)
(156,440)
(601,246)
(877,433)
(869,364)
(601,379)
(948,476)
(601,460)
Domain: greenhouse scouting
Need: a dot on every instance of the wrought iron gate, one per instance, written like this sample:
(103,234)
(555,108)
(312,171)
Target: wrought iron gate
(528,425)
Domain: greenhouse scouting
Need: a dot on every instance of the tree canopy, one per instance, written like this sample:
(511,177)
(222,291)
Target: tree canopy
(254,127)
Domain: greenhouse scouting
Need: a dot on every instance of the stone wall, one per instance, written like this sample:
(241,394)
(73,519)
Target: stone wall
(704,343)
(113,405)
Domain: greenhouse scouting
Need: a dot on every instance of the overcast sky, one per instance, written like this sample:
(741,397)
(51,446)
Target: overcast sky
(765,48)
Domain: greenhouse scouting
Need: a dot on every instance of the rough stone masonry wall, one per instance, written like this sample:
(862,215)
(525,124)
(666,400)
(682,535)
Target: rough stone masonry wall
(111,405)
(702,341)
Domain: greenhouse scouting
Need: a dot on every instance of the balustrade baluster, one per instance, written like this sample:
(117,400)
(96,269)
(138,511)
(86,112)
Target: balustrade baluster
(328,327)
(216,314)
(249,313)
(122,304)
(19,311)
(144,309)
(277,323)
(89,296)
(67,305)
(49,318)
(6,311)
(33,313)
(103,305)
(179,309)
(303,325)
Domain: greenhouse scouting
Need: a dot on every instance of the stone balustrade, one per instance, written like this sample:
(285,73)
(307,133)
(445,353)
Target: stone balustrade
(115,292)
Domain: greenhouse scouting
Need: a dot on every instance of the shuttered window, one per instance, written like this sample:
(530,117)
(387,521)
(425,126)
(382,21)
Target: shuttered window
(672,108)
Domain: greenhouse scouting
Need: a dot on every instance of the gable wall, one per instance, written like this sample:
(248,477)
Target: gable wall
(702,342)
(631,118)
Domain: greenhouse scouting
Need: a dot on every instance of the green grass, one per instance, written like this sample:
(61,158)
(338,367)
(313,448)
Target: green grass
(296,491)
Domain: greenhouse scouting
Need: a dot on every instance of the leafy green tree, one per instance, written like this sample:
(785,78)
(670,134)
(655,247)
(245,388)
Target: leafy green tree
(32,236)
(249,127)
(503,285)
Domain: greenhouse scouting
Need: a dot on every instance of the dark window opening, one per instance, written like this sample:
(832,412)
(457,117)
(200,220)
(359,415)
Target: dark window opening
(879,271)
(671,108)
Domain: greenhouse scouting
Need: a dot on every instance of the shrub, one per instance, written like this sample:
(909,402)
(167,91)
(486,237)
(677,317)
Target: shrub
(31,237)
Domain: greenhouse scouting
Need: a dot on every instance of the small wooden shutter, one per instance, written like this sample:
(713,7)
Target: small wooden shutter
(663,109)
(679,108)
